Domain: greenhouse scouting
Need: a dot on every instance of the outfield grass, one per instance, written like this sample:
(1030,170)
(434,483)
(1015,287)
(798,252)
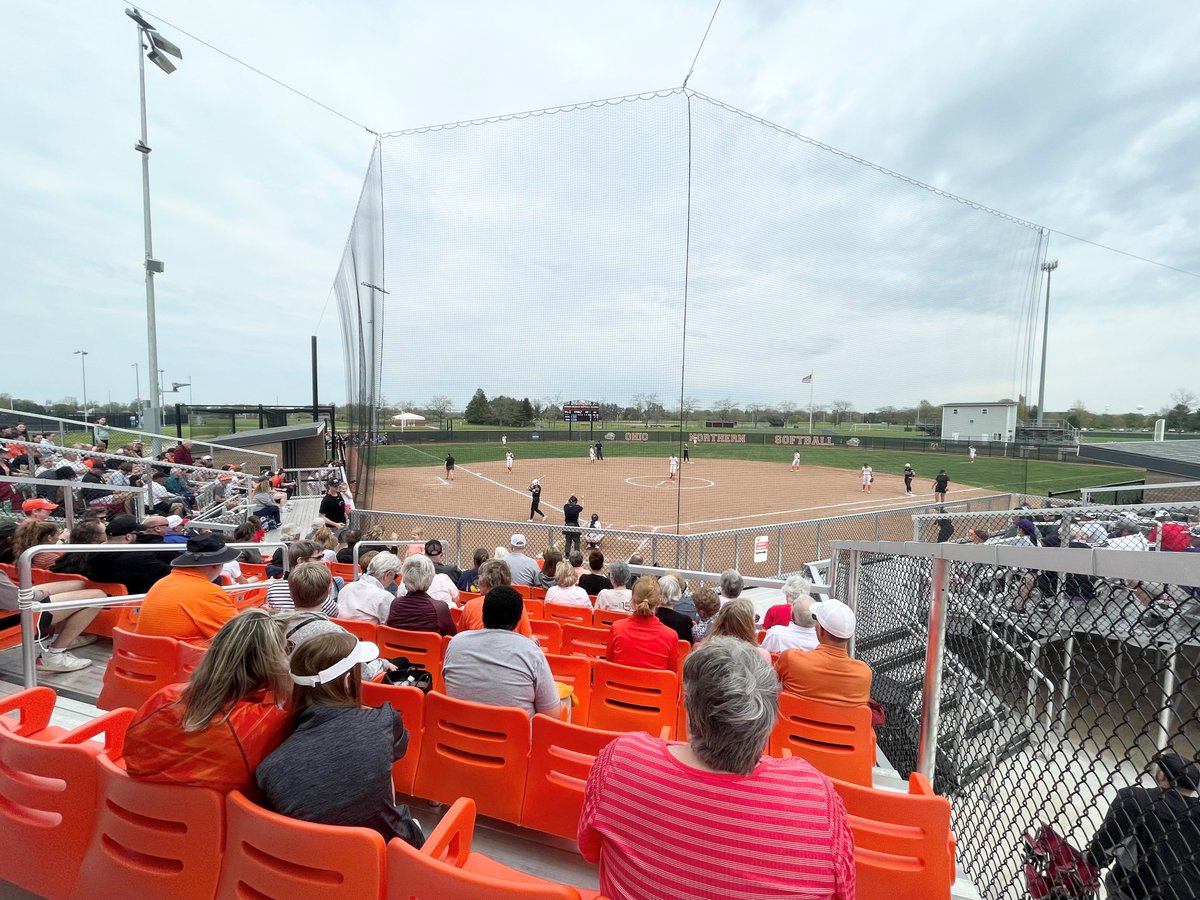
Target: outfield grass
(997,473)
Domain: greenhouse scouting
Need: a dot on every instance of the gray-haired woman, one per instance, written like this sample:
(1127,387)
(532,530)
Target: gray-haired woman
(416,610)
(786,810)
(618,598)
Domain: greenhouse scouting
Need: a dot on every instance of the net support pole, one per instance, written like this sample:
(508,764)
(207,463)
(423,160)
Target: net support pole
(1168,689)
(932,688)
(316,416)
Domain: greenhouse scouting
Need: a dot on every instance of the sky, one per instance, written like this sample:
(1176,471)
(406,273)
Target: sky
(1083,117)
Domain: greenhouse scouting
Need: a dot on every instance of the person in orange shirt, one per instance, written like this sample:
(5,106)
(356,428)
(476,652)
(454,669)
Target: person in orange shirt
(827,674)
(492,573)
(214,731)
(642,640)
(186,604)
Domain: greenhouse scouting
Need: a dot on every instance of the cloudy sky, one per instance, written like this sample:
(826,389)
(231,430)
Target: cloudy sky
(1084,117)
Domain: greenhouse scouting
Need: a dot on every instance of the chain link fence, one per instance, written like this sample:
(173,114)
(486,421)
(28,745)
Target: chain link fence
(767,551)
(1044,523)
(1057,676)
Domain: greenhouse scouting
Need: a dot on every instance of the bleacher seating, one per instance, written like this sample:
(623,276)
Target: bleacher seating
(65,798)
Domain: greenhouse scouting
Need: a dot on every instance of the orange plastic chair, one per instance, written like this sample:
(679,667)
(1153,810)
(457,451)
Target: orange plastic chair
(903,847)
(424,647)
(761,634)
(684,649)
(152,840)
(364,631)
(455,615)
(548,634)
(559,762)
(140,665)
(526,591)
(577,672)
(48,802)
(838,741)
(566,614)
(34,707)
(253,570)
(625,698)
(269,855)
(410,703)
(446,869)
(464,597)
(535,609)
(248,599)
(583,640)
(187,660)
(603,618)
(473,750)
(343,570)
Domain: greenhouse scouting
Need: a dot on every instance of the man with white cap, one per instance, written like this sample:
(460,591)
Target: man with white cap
(524,570)
(827,674)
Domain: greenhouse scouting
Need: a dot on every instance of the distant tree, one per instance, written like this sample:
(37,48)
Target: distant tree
(840,408)
(526,414)
(478,412)
(440,406)
(723,408)
(1177,416)
(1133,420)
(787,409)
(1183,397)
(755,410)
(66,408)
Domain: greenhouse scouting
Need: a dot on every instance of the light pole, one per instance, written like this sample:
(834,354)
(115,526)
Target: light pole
(82,354)
(137,384)
(149,39)
(1048,268)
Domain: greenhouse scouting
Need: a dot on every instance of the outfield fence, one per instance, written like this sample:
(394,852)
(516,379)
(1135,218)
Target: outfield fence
(1029,684)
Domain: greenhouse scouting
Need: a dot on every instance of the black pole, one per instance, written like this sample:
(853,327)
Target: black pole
(315,414)
(261,424)
(178,422)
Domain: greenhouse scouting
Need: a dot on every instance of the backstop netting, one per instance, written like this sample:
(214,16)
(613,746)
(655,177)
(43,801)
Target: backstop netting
(667,257)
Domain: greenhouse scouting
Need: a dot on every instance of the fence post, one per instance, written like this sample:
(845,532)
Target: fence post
(700,563)
(654,549)
(1168,689)
(932,688)
(818,550)
(779,551)
(851,589)
(69,507)
(458,543)
(737,549)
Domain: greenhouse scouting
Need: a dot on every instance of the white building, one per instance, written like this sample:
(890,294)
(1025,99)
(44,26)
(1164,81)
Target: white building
(981,422)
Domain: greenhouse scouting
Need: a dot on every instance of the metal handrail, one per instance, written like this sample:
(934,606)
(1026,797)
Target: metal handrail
(69,498)
(27,605)
(91,426)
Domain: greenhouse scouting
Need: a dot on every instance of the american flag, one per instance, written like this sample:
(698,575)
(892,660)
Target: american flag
(807,379)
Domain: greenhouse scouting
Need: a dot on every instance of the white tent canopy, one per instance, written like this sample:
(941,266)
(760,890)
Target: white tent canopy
(406,418)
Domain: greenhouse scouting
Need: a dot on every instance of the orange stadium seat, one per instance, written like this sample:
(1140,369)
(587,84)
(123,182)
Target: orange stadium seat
(364,631)
(34,707)
(577,672)
(535,609)
(152,840)
(473,750)
(603,618)
(684,649)
(410,703)
(140,665)
(583,640)
(269,855)
(342,570)
(548,634)
(48,802)
(446,869)
(839,741)
(625,698)
(566,614)
(253,570)
(559,762)
(423,647)
(187,660)
(903,847)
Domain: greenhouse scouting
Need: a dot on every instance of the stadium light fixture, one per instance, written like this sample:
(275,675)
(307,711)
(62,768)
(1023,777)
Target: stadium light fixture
(1048,268)
(152,46)
(83,354)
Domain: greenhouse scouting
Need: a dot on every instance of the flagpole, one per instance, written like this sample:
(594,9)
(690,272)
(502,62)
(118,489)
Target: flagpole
(810,404)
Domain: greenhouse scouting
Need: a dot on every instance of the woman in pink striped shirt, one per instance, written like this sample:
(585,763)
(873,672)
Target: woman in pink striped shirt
(729,822)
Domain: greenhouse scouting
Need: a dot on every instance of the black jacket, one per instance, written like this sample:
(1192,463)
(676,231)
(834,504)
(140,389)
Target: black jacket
(137,571)
(1165,828)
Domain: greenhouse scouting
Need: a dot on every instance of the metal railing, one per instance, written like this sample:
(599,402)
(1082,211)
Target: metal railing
(1052,521)
(28,606)
(1029,684)
(1166,492)
(311,481)
(789,547)
(60,426)
(69,488)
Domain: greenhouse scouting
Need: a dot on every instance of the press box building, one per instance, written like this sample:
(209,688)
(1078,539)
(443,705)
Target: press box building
(981,422)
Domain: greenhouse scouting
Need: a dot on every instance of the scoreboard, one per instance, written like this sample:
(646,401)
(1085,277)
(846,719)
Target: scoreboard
(581,411)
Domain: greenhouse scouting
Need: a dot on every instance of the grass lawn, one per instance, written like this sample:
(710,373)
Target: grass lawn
(997,473)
